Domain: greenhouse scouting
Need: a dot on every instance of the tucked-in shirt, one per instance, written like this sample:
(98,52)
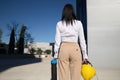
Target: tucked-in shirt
(69,33)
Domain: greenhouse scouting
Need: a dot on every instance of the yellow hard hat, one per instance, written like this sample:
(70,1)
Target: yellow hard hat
(88,71)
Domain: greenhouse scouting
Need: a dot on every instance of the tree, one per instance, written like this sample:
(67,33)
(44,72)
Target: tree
(32,50)
(28,39)
(11,42)
(47,51)
(27,35)
(14,25)
(1,35)
(21,36)
(39,51)
(20,45)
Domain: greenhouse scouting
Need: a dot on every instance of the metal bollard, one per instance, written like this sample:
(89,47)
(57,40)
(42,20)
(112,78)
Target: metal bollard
(53,69)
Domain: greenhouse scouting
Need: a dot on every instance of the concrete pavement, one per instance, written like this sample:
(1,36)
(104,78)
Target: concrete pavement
(32,71)
(42,71)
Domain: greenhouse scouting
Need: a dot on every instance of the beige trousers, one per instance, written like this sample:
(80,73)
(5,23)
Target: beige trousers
(69,62)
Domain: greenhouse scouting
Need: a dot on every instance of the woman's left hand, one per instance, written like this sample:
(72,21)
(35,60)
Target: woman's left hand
(85,61)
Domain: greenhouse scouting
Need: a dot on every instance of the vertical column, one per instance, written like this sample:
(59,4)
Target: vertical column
(82,14)
(81,10)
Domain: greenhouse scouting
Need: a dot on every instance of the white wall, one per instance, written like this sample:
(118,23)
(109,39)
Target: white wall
(104,33)
(42,45)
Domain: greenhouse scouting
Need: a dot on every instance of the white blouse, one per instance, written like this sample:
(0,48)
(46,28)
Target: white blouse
(69,33)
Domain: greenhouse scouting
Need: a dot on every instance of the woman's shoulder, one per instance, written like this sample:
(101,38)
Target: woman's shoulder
(78,24)
(59,22)
(78,21)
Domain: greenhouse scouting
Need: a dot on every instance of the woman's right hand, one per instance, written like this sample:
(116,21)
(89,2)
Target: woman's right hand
(55,56)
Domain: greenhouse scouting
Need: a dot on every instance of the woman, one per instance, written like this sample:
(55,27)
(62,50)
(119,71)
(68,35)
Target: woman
(68,30)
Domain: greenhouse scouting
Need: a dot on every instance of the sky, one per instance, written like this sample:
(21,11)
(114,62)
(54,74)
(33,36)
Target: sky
(40,16)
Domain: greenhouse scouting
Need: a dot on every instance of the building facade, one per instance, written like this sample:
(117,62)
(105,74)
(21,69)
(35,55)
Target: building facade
(38,45)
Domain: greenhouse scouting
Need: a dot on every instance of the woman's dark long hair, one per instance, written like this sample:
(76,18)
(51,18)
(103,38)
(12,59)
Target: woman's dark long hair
(68,14)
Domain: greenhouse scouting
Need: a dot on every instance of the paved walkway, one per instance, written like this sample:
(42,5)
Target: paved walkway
(42,71)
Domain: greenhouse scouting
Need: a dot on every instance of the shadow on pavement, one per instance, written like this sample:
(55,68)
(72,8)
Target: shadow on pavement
(9,61)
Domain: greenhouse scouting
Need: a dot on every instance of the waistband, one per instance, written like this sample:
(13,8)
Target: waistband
(69,42)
